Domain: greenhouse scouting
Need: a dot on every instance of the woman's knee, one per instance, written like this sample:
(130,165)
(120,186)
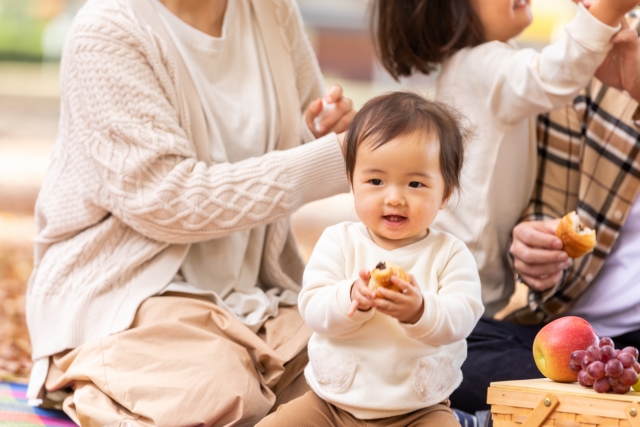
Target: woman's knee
(163,377)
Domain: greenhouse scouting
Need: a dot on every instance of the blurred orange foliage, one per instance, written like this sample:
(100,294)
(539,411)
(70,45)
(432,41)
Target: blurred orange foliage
(15,348)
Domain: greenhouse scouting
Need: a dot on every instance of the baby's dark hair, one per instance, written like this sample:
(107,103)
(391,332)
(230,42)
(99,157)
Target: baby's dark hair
(395,114)
(417,35)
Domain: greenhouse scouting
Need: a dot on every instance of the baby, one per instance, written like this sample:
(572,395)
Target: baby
(385,357)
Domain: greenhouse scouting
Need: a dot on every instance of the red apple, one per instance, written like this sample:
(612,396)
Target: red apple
(556,341)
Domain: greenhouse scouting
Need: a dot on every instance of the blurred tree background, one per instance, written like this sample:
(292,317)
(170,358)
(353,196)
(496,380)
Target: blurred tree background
(20,31)
(32,33)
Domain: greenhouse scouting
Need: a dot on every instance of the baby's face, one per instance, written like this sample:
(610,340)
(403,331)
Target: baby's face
(398,189)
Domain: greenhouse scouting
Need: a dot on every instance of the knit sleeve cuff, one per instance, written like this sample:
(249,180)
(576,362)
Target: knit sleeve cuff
(427,322)
(588,31)
(317,170)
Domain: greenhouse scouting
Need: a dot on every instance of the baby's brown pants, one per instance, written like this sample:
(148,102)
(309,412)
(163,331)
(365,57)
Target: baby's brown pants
(311,411)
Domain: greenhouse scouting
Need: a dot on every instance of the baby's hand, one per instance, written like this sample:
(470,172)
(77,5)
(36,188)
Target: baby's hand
(407,305)
(361,295)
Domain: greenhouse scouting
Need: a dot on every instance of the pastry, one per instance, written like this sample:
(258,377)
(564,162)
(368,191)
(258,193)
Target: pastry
(381,276)
(577,239)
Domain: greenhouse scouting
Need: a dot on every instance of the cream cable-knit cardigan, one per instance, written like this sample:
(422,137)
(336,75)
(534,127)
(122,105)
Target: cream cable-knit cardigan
(132,181)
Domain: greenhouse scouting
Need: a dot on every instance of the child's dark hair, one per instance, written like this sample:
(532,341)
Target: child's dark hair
(412,35)
(395,114)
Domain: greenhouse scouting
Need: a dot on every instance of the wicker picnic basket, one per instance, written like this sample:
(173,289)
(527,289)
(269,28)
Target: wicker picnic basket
(542,402)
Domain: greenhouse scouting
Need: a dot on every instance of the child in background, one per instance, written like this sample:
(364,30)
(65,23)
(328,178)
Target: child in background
(392,358)
(501,90)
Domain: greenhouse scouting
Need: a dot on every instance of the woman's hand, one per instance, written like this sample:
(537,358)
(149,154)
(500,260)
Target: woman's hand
(407,305)
(339,114)
(538,255)
(621,67)
(361,295)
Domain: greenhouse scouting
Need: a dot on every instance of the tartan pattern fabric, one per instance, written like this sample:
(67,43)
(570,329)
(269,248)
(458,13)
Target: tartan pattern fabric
(14,411)
(588,161)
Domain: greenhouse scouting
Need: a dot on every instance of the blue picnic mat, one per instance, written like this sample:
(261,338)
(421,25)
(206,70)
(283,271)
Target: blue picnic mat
(14,411)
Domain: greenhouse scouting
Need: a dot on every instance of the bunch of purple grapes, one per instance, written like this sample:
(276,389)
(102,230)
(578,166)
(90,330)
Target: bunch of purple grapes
(606,369)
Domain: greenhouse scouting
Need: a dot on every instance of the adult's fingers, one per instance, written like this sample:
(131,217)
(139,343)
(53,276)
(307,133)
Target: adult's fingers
(625,36)
(312,111)
(539,270)
(533,255)
(333,95)
(541,284)
(344,122)
(339,117)
(539,234)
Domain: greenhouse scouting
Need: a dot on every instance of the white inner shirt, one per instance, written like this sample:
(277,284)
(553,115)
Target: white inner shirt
(232,76)
(611,304)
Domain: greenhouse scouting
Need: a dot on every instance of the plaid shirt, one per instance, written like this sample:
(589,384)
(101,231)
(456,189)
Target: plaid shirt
(588,161)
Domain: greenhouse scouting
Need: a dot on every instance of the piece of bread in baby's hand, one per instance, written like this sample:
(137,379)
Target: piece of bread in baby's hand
(578,240)
(381,276)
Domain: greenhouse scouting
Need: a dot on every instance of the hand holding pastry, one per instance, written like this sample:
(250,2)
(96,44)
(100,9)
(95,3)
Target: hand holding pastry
(578,239)
(537,254)
(361,295)
(406,304)
(382,274)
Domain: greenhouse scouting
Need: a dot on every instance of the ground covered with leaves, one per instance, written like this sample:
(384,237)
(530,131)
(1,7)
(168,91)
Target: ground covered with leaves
(15,348)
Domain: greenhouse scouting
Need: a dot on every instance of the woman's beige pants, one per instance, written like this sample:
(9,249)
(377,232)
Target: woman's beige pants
(184,362)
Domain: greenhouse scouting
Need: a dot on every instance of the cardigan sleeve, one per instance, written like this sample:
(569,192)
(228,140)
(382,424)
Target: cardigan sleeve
(520,83)
(326,293)
(123,118)
(451,314)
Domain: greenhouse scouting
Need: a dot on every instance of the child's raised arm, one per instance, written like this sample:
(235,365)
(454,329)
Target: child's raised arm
(518,83)
(611,12)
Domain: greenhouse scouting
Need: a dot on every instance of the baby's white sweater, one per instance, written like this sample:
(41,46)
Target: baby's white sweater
(370,364)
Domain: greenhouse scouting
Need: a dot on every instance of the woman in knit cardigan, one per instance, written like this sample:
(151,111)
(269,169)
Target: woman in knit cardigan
(165,268)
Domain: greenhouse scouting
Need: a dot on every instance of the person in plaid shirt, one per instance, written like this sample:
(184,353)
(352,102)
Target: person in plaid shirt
(588,161)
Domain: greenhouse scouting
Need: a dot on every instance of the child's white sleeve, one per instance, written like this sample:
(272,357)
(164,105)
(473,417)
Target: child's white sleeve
(326,293)
(451,314)
(520,83)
